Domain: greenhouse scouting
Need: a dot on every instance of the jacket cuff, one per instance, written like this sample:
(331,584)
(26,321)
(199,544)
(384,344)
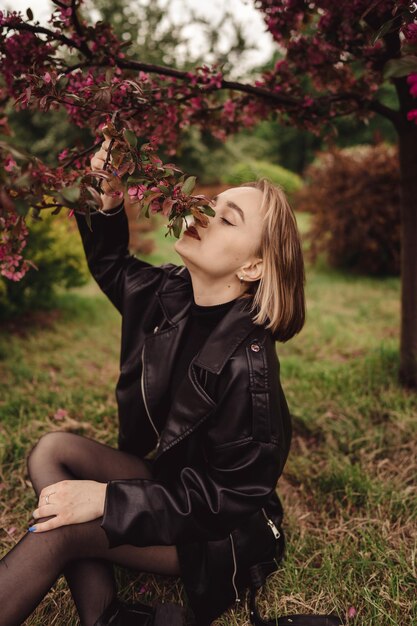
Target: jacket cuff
(117,509)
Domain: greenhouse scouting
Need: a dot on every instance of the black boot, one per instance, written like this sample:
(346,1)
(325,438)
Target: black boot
(118,613)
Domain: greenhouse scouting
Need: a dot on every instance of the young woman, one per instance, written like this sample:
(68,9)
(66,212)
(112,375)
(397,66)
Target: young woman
(199,396)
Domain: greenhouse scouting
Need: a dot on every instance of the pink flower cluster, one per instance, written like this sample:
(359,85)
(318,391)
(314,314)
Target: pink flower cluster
(206,77)
(13,235)
(410,32)
(136,192)
(412,81)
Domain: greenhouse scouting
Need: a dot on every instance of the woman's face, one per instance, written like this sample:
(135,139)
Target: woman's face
(227,245)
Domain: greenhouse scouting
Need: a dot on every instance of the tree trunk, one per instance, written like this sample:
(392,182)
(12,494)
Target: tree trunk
(408,165)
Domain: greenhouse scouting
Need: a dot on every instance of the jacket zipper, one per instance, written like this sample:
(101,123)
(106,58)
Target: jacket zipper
(144,398)
(271,525)
(234,569)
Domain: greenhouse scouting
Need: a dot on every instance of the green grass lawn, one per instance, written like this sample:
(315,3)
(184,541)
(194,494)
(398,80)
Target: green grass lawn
(349,486)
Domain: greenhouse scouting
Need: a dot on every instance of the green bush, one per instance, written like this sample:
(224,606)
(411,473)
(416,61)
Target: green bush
(353,195)
(54,245)
(246,171)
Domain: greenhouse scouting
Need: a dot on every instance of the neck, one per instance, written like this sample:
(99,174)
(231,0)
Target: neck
(210,291)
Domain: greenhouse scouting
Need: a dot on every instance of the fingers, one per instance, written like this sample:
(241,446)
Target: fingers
(47,513)
(50,524)
(50,491)
(44,511)
(98,158)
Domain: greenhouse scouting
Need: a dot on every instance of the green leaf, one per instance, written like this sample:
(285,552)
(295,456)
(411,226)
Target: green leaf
(152,195)
(188,185)
(133,181)
(395,68)
(384,29)
(71,194)
(176,227)
(35,214)
(208,210)
(23,180)
(130,137)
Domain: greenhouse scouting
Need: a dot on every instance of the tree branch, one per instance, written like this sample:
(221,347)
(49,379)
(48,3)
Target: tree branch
(80,31)
(391,114)
(261,92)
(41,29)
(225,84)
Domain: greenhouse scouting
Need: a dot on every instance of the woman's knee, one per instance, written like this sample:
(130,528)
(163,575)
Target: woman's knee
(49,446)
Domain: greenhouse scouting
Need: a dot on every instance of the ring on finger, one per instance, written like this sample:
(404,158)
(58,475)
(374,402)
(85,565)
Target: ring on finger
(47,497)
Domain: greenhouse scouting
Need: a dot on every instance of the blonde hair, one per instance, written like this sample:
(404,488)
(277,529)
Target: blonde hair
(278,296)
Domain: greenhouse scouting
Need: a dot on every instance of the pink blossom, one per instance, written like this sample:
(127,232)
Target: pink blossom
(351,612)
(136,191)
(229,110)
(10,164)
(60,414)
(412,116)
(410,32)
(63,155)
(412,81)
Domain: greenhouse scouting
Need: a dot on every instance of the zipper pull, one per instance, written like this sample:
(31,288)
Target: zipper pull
(272,526)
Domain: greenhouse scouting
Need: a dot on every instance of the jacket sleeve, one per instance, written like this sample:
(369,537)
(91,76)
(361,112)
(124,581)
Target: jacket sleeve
(204,503)
(107,253)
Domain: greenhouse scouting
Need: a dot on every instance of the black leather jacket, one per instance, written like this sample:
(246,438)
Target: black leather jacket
(218,449)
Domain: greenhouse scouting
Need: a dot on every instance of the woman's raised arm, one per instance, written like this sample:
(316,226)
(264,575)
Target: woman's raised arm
(107,246)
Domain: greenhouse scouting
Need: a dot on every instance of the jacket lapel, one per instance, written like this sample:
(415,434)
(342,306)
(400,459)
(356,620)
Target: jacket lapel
(191,405)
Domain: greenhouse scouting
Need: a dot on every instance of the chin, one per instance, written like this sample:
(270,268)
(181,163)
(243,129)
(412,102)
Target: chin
(177,248)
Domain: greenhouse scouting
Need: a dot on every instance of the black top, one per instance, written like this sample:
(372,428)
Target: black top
(201,322)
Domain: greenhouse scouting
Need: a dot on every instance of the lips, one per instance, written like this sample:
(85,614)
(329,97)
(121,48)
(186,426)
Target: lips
(191,231)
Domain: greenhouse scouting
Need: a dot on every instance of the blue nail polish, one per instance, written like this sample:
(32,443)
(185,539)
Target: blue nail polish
(32,529)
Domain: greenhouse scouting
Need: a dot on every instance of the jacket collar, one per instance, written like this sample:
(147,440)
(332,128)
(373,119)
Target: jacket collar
(232,329)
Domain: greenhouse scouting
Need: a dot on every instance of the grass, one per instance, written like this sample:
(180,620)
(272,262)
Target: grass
(349,485)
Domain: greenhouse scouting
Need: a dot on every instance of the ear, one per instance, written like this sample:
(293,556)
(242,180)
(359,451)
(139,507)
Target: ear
(253,271)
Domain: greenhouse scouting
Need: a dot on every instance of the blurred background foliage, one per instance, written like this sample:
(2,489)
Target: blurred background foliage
(353,195)
(54,246)
(281,153)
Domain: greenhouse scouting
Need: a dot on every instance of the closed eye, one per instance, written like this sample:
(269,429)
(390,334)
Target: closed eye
(224,220)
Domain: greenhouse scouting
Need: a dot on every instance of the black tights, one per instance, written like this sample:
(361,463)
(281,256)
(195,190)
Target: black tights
(78,551)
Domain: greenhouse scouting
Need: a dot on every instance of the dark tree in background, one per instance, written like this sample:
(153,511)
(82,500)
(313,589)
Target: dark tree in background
(335,61)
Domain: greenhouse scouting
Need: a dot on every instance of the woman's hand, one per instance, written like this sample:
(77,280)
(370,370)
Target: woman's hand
(97,162)
(71,502)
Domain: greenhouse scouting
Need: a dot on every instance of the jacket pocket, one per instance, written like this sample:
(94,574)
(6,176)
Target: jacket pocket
(256,542)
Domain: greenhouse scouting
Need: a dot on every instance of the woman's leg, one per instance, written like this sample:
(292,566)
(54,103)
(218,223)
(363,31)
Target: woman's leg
(33,565)
(80,551)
